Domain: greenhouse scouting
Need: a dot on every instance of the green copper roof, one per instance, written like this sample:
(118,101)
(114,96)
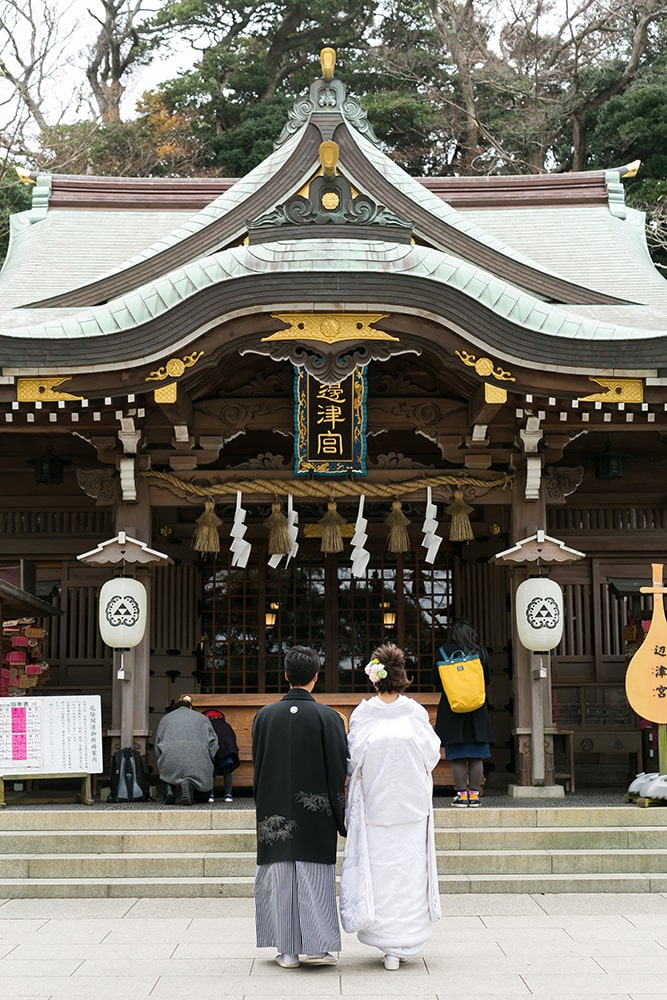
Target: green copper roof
(155,298)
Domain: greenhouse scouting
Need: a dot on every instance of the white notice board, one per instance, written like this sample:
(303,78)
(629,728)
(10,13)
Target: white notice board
(51,735)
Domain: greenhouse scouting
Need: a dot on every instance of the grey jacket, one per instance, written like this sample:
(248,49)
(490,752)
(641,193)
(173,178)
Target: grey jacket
(185,745)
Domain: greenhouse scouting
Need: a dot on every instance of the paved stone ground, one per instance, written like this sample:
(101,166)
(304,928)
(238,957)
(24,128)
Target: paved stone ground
(500,947)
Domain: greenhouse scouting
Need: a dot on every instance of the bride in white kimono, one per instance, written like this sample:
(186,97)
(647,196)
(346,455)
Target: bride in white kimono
(389,885)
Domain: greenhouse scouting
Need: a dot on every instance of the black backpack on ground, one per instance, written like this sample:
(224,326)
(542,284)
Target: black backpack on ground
(128,777)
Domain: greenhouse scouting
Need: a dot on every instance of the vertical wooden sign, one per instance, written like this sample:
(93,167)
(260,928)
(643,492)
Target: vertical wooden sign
(646,676)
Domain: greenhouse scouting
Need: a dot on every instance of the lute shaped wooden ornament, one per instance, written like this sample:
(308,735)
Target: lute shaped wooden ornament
(646,676)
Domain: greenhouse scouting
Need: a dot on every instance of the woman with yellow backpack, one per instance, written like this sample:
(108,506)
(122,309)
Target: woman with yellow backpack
(462,674)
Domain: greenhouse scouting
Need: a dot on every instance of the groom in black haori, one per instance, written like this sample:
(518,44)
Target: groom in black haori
(299,750)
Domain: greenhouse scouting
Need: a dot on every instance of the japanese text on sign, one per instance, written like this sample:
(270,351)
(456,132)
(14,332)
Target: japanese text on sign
(330,424)
(51,735)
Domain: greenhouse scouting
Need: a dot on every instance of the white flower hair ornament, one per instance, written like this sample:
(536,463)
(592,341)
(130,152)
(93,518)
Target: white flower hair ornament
(375,670)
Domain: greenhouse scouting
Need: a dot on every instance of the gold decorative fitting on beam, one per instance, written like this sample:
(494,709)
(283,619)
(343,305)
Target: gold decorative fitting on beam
(166,393)
(305,191)
(328,62)
(494,393)
(43,390)
(484,367)
(329,157)
(329,328)
(618,390)
(317,530)
(174,368)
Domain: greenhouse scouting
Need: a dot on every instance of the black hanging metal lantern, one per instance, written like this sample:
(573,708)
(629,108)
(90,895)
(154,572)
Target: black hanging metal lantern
(48,468)
(609,465)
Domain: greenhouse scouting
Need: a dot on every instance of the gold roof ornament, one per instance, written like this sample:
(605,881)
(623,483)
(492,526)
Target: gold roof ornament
(174,368)
(43,390)
(25,176)
(484,367)
(617,390)
(328,62)
(630,169)
(329,328)
(329,157)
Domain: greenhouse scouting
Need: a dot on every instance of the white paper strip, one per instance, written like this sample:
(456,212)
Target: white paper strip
(292,528)
(360,556)
(239,546)
(431,540)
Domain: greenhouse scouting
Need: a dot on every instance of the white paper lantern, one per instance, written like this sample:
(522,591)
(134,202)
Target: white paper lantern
(122,612)
(539,613)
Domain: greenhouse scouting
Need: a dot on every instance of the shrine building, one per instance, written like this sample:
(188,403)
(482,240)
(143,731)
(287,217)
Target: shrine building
(332,404)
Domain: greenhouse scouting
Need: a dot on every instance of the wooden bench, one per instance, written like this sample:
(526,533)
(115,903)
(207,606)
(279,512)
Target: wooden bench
(85,795)
(240,710)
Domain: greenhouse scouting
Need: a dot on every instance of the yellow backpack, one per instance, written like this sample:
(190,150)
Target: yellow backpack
(462,679)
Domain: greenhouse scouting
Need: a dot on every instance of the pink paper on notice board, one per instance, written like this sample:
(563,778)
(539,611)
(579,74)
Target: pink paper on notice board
(19,733)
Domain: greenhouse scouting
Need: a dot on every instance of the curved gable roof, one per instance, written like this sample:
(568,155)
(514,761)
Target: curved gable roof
(292,164)
(464,275)
(168,313)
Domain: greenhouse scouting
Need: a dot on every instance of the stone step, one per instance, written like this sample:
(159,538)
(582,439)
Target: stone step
(538,884)
(551,862)
(152,816)
(199,842)
(60,888)
(75,888)
(556,838)
(112,866)
(240,864)
(136,850)
(117,842)
(128,817)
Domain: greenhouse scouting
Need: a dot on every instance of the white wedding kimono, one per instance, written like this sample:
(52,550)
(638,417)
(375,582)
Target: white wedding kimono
(389,884)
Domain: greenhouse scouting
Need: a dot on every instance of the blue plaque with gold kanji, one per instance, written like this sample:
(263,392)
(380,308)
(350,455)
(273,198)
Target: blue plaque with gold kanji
(330,425)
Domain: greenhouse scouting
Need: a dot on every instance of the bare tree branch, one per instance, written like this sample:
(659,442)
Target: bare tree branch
(31,49)
(116,50)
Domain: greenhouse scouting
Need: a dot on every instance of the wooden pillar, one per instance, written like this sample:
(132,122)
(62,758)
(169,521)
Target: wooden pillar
(532,682)
(130,696)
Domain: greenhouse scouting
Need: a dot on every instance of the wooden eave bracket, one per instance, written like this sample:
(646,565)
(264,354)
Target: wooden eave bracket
(531,435)
(128,481)
(129,436)
(179,413)
(533,477)
(486,401)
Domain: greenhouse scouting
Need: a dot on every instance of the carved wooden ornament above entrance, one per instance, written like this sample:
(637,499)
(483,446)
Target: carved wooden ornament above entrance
(314,341)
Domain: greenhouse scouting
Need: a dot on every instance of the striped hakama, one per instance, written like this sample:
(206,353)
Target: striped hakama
(295,907)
